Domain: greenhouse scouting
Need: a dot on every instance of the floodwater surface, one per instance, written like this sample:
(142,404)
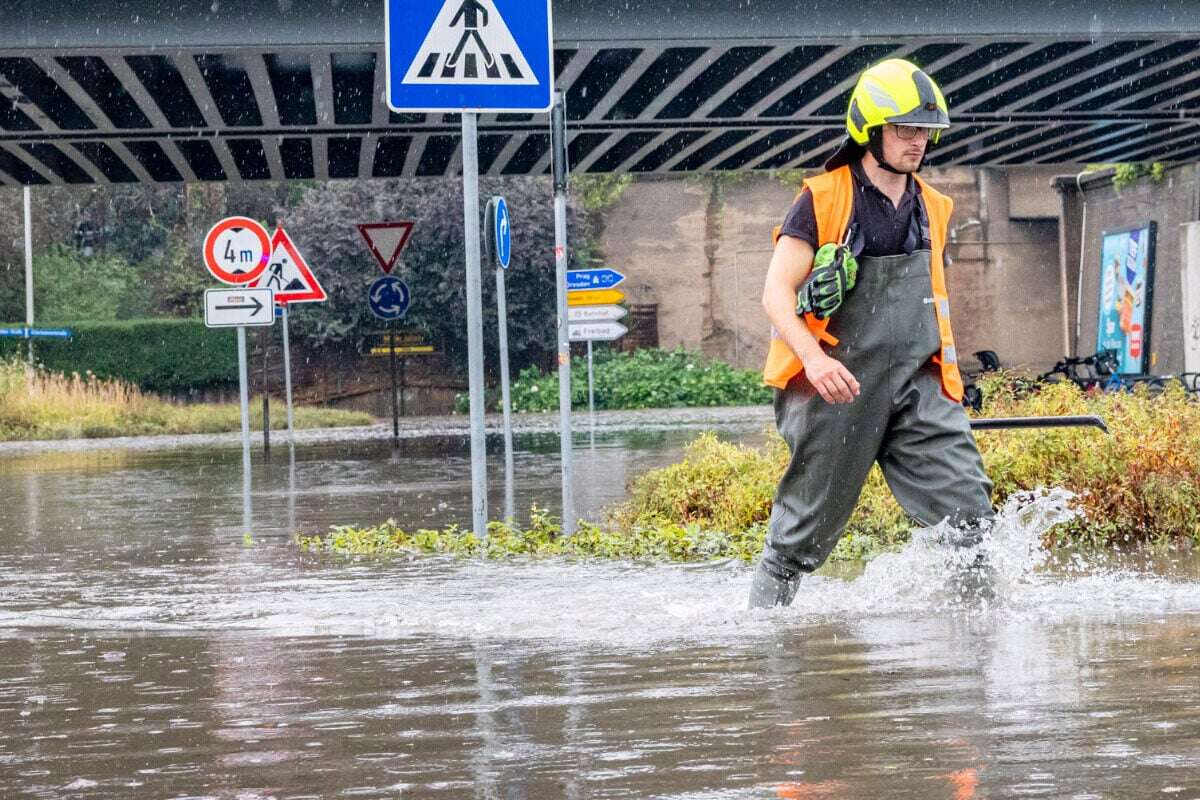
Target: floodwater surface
(149,648)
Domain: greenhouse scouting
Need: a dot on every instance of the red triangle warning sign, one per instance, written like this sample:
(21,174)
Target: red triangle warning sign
(288,274)
(386,240)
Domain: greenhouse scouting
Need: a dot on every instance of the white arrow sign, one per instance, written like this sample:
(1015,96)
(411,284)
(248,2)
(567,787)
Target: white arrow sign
(595,313)
(232,308)
(595,331)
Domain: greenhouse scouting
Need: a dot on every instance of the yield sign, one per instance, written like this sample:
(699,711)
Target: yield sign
(386,240)
(288,275)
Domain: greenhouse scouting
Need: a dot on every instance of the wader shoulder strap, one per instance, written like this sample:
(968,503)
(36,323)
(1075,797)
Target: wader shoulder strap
(939,207)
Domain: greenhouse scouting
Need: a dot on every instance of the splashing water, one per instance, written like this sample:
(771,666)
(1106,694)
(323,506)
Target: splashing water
(931,574)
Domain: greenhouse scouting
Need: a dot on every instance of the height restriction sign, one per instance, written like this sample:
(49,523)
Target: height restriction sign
(237,250)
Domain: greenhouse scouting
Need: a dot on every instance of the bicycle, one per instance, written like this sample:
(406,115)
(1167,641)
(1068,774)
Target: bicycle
(1089,372)
(972,394)
(1100,372)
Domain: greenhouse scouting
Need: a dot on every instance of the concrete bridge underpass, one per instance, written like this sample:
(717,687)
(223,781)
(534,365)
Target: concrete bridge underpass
(124,91)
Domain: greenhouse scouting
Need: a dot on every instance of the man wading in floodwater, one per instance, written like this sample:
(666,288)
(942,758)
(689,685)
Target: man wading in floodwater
(858,266)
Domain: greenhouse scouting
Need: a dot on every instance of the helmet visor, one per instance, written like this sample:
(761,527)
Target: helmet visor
(929,115)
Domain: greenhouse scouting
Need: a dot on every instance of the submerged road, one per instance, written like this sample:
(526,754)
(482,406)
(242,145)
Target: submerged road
(148,648)
(583,424)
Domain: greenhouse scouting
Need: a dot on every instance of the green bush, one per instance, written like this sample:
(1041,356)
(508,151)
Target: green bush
(543,537)
(647,378)
(1139,484)
(158,355)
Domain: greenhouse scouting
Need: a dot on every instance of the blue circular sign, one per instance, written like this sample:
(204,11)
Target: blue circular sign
(503,234)
(388,297)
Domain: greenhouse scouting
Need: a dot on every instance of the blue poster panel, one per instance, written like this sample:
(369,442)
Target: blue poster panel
(1126,295)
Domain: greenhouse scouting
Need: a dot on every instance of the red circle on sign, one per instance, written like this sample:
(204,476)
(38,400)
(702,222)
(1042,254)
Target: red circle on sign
(210,254)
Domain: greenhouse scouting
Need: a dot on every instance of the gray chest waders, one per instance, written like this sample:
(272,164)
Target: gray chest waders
(888,332)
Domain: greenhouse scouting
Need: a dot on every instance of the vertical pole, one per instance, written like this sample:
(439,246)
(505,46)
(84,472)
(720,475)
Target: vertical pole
(403,383)
(506,400)
(287,376)
(244,397)
(264,339)
(591,382)
(28,272)
(470,168)
(395,401)
(558,148)
(291,505)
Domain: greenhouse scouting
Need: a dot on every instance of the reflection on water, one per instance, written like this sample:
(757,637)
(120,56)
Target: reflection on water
(148,650)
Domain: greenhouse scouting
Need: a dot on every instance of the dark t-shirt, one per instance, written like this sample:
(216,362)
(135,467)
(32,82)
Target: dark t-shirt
(885,227)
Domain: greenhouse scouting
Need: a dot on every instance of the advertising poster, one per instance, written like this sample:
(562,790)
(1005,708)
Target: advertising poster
(1126,294)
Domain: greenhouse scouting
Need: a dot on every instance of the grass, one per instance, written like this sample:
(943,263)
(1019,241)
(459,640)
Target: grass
(1138,485)
(39,404)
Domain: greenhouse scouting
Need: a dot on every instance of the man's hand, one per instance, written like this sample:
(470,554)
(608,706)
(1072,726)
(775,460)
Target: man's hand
(831,379)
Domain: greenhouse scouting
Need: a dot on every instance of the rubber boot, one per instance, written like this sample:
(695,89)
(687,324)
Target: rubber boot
(974,577)
(767,591)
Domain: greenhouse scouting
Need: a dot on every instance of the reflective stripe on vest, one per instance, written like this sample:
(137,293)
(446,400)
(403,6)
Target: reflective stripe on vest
(833,203)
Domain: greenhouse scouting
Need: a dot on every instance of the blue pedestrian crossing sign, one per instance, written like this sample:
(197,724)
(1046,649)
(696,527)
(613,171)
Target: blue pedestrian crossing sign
(469,55)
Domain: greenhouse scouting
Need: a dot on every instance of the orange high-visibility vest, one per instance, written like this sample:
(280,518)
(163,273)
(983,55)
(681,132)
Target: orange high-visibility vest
(833,203)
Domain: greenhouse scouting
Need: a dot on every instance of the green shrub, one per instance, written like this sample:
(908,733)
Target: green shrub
(543,537)
(158,355)
(647,378)
(1138,484)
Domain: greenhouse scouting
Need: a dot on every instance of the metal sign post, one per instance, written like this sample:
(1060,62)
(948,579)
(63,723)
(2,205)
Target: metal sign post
(287,375)
(591,384)
(244,399)
(28,271)
(558,147)
(266,394)
(505,396)
(470,173)
(503,65)
(498,235)
(395,398)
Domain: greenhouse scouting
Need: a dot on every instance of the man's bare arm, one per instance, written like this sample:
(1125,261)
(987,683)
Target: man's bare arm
(790,265)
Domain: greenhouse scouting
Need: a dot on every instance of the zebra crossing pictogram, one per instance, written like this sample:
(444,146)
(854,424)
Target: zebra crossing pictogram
(469,42)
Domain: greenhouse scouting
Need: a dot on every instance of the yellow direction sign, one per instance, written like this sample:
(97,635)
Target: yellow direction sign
(404,350)
(595,297)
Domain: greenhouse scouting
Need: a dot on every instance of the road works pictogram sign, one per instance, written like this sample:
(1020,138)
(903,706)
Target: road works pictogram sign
(478,55)
(288,274)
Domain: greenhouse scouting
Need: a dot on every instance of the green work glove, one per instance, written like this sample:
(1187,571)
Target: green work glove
(833,275)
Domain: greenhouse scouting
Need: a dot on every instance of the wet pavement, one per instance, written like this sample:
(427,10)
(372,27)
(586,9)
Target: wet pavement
(148,648)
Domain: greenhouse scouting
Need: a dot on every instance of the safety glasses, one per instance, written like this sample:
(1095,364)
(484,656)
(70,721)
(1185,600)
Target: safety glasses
(909,132)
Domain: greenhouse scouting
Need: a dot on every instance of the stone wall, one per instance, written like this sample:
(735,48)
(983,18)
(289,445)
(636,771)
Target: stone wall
(1092,205)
